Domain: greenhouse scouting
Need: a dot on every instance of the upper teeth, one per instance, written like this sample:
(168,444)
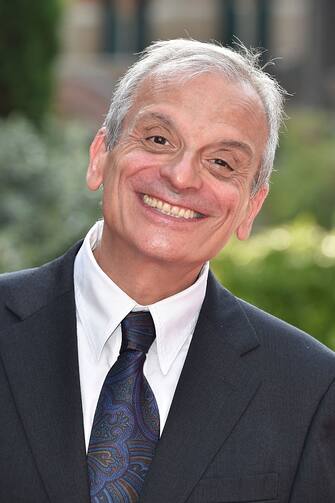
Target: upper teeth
(168,209)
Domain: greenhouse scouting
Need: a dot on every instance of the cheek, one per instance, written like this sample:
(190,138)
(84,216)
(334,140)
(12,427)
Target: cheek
(138,159)
(230,199)
(135,169)
(112,191)
(118,194)
(115,176)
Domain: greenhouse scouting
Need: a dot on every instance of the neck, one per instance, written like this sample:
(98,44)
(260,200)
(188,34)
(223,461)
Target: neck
(145,280)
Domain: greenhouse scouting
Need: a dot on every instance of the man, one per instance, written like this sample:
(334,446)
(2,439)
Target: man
(243,403)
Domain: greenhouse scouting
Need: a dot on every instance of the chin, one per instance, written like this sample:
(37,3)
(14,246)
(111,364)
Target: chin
(159,251)
(161,255)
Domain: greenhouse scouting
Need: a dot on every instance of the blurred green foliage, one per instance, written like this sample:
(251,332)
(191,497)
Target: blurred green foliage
(28,45)
(287,268)
(289,271)
(304,180)
(44,204)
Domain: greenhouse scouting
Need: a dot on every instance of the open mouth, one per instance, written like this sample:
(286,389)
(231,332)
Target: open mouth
(168,209)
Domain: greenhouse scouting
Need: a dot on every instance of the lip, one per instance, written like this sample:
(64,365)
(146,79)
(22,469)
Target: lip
(167,217)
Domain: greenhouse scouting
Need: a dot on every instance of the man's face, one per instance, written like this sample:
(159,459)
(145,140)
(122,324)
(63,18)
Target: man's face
(178,183)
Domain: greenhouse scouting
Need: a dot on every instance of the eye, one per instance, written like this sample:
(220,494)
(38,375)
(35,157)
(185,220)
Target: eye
(221,163)
(159,140)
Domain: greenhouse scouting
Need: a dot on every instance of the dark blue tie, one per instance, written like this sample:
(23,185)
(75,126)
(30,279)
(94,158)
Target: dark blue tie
(125,429)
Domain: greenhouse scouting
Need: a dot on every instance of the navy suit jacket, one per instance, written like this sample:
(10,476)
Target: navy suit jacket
(252,419)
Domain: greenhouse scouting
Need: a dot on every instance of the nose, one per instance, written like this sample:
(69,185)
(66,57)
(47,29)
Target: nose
(183,173)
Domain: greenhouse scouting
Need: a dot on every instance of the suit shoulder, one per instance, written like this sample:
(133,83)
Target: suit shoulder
(20,279)
(10,279)
(27,290)
(289,342)
(16,281)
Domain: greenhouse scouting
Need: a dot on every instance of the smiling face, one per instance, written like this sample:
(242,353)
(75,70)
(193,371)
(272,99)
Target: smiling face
(178,183)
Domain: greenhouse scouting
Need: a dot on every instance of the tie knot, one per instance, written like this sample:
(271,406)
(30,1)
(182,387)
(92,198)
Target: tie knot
(138,331)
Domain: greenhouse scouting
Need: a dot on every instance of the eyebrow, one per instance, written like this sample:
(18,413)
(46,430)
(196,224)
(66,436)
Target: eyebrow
(155,115)
(235,144)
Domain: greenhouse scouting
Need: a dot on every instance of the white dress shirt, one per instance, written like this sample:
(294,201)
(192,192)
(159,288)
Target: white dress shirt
(101,306)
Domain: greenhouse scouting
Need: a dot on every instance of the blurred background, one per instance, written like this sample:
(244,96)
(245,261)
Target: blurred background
(59,62)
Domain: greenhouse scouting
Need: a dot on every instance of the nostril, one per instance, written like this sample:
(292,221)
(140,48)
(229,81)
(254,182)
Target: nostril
(182,175)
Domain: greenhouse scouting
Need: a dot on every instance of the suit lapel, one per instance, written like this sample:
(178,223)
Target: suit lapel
(215,388)
(40,357)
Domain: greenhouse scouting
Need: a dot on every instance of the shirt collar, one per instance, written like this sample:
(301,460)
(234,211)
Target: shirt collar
(175,318)
(102,305)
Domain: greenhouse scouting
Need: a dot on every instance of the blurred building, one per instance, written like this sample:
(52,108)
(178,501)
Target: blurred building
(100,38)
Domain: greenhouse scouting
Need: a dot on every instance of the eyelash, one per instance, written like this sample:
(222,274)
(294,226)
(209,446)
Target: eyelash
(151,138)
(222,163)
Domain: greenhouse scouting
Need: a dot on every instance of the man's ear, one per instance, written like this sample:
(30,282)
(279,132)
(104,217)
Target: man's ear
(255,204)
(95,171)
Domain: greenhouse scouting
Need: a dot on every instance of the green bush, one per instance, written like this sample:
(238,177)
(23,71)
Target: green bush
(305,178)
(44,204)
(288,271)
(28,45)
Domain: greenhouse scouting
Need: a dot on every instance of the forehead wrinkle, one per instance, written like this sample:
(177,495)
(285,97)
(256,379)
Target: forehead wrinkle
(145,115)
(235,144)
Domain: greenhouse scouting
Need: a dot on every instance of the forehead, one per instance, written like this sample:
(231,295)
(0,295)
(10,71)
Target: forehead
(204,106)
(209,86)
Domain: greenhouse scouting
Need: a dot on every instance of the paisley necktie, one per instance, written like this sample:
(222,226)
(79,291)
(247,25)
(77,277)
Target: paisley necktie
(125,429)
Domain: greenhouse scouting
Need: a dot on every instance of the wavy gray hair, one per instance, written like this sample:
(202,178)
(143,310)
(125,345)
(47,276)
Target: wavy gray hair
(184,59)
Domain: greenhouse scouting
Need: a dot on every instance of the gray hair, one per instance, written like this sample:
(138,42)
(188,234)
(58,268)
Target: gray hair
(186,59)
